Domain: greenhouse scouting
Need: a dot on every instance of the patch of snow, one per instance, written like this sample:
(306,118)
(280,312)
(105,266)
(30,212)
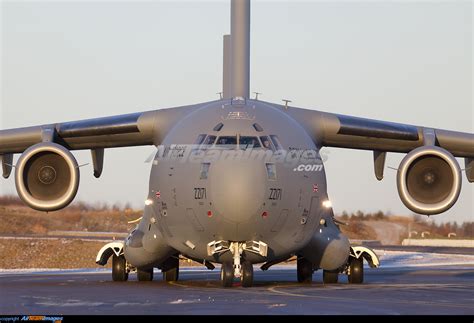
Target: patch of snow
(132,304)
(181,301)
(419,259)
(70,304)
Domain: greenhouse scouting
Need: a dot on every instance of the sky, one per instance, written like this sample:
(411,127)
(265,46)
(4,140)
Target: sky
(400,61)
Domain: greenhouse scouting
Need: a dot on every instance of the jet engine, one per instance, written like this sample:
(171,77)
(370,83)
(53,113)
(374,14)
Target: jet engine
(47,177)
(429,180)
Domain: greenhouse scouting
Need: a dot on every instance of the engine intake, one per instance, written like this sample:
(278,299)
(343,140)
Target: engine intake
(47,177)
(429,180)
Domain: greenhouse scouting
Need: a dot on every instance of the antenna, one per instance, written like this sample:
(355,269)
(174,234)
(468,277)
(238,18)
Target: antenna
(286,103)
(256,95)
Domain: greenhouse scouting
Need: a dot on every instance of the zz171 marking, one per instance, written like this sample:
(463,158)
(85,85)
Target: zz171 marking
(200,193)
(275,194)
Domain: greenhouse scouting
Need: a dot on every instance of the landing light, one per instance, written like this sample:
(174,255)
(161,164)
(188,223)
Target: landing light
(327,204)
(148,202)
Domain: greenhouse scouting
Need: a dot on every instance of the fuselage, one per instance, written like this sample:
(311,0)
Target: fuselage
(237,172)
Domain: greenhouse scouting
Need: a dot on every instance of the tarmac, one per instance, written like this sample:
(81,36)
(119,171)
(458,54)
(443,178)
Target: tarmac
(446,289)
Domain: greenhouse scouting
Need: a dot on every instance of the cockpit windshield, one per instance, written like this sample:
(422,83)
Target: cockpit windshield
(209,140)
(204,141)
(246,142)
(226,142)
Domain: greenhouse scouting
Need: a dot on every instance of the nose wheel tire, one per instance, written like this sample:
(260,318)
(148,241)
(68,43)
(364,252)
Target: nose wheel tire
(330,277)
(227,274)
(145,275)
(247,274)
(356,271)
(119,269)
(304,270)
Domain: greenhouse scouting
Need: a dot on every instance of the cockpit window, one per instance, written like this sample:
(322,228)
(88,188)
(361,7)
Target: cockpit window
(266,142)
(276,142)
(248,142)
(209,140)
(227,142)
(200,139)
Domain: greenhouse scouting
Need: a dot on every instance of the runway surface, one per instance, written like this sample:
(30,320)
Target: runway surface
(447,289)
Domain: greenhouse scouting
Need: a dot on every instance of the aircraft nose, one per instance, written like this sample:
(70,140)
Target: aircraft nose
(238,189)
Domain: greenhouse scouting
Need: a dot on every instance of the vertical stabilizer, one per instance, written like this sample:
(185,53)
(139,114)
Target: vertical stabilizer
(227,68)
(240,47)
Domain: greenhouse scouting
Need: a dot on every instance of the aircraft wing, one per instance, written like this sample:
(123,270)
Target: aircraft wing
(135,129)
(47,174)
(336,130)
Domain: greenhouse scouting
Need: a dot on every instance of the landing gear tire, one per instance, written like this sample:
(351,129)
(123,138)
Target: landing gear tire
(227,274)
(247,274)
(172,274)
(145,275)
(356,271)
(119,269)
(330,277)
(304,270)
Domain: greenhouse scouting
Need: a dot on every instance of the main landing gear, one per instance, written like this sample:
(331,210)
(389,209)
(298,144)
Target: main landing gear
(170,269)
(121,268)
(304,270)
(354,269)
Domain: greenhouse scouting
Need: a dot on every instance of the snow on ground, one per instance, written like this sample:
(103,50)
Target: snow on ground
(388,259)
(421,259)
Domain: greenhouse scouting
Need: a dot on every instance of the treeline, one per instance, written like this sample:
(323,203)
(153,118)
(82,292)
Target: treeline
(466,229)
(11,200)
(417,222)
(361,216)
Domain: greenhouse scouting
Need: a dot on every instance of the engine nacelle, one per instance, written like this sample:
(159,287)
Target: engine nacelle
(47,177)
(429,180)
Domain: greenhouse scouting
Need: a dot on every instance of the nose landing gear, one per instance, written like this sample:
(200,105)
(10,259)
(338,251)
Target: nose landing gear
(240,268)
(228,274)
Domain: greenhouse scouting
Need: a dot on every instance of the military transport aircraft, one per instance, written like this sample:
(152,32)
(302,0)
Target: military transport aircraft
(237,181)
